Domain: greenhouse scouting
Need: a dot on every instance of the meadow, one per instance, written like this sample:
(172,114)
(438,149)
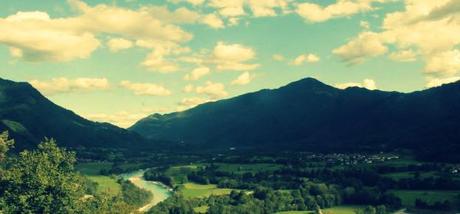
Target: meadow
(192,190)
(408,197)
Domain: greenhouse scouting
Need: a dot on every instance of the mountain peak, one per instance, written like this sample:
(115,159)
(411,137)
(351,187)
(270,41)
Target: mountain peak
(307,83)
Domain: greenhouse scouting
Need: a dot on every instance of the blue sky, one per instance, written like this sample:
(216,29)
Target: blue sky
(118,61)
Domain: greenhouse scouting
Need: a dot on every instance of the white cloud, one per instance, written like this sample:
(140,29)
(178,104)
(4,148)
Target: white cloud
(34,36)
(157,61)
(278,57)
(435,82)
(193,2)
(196,2)
(367,44)
(118,44)
(261,8)
(258,8)
(181,15)
(189,88)
(124,119)
(228,8)
(233,57)
(431,29)
(213,21)
(213,90)
(138,24)
(367,83)
(192,102)
(403,56)
(145,89)
(65,85)
(305,58)
(244,79)
(197,73)
(444,63)
(317,13)
(365,25)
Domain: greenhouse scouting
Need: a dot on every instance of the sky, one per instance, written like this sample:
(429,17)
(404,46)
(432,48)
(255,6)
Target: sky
(118,61)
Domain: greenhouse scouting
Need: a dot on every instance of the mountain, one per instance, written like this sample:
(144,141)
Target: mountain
(310,115)
(29,117)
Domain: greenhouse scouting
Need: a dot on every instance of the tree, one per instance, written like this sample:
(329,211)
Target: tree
(41,181)
(5,145)
(367,210)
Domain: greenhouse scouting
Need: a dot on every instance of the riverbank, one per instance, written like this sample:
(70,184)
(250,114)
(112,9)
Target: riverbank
(159,191)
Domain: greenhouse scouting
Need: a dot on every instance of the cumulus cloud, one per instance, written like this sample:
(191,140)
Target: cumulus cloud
(197,73)
(191,102)
(262,8)
(34,36)
(365,25)
(233,57)
(228,8)
(367,44)
(431,29)
(316,13)
(124,119)
(157,61)
(367,83)
(146,89)
(403,56)
(138,24)
(118,44)
(258,8)
(193,2)
(213,21)
(305,58)
(181,15)
(445,63)
(278,57)
(213,90)
(189,88)
(64,85)
(244,79)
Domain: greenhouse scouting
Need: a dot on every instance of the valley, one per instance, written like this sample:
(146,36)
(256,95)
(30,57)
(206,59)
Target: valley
(297,181)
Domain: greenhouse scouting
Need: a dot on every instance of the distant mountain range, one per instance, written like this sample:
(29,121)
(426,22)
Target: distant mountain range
(30,117)
(310,115)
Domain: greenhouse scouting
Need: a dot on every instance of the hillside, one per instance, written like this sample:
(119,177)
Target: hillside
(308,114)
(29,117)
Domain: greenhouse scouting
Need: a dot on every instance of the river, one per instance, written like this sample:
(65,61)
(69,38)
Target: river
(160,192)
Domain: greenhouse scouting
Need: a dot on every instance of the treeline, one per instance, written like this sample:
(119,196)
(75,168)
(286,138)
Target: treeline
(45,181)
(263,200)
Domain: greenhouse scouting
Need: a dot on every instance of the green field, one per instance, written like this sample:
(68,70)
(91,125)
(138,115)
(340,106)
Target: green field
(333,210)
(252,168)
(202,209)
(93,168)
(341,210)
(296,212)
(179,173)
(191,190)
(402,175)
(408,197)
(106,184)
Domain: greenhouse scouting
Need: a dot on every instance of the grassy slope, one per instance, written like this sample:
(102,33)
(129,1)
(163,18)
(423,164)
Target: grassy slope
(408,197)
(191,190)
(106,184)
(244,168)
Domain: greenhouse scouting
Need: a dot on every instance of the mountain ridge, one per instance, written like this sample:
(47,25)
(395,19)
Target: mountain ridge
(30,117)
(308,113)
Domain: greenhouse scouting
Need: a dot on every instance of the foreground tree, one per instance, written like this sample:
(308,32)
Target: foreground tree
(41,181)
(5,145)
